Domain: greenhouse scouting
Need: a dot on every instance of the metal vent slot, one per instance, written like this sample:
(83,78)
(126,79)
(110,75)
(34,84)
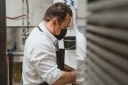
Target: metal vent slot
(117,47)
(107,4)
(110,18)
(110,70)
(116,33)
(99,74)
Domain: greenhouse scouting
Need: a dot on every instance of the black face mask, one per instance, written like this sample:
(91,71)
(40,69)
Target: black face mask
(62,34)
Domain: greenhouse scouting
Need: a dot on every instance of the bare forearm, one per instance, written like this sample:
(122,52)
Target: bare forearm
(66,77)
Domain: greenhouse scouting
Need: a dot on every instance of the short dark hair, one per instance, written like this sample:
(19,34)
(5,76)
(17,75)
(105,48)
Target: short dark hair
(57,10)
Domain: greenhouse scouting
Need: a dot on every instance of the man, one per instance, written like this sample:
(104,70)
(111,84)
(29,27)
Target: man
(39,62)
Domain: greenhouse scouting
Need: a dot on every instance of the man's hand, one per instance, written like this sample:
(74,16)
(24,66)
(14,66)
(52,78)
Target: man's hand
(68,68)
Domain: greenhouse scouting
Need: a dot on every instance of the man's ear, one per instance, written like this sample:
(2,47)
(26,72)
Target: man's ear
(54,21)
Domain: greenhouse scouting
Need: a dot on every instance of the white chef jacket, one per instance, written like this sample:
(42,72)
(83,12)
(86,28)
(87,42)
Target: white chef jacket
(81,56)
(39,61)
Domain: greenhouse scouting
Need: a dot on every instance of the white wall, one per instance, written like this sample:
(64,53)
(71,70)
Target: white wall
(36,11)
(14,9)
(82,12)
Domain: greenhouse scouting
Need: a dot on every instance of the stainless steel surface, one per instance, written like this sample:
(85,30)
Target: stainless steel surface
(102,75)
(120,48)
(109,56)
(107,42)
(116,33)
(113,71)
(110,18)
(107,4)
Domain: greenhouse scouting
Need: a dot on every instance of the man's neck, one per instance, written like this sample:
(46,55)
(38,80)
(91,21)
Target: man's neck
(48,26)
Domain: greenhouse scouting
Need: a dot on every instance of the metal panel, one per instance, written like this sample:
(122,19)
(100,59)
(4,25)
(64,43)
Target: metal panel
(108,18)
(115,33)
(110,56)
(115,72)
(107,42)
(107,4)
(102,75)
(113,45)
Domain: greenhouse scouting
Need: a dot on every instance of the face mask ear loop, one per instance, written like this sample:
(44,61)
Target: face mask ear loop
(59,28)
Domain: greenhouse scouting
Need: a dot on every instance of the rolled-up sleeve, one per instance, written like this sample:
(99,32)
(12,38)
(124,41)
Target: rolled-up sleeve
(44,60)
